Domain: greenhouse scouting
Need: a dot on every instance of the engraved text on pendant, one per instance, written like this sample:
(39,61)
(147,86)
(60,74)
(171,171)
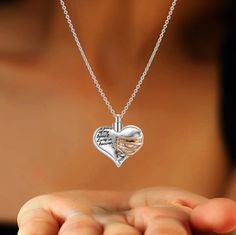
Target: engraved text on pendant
(118,144)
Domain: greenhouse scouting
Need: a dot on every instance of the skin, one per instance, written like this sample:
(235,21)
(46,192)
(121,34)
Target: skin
(45,88)
(149,211)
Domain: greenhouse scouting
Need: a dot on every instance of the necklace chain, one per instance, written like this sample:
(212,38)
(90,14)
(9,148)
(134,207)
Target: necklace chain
(143,76)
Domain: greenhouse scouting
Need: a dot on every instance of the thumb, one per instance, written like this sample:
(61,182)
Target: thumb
(217,215)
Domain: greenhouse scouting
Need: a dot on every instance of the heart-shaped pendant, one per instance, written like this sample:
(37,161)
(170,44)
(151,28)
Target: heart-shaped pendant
(118,143)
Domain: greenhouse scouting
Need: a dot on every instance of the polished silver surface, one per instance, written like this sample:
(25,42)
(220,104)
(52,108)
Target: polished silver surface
(118,144)
(117,126)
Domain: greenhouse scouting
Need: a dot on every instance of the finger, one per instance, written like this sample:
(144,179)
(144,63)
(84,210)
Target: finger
(150,219)
(61,204)
(167,196)
(217,215)
(81,224)
(116,228)
(114,223)
(167,226)
(37,220)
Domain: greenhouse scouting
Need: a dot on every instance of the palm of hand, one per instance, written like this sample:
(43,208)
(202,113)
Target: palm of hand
(149,211)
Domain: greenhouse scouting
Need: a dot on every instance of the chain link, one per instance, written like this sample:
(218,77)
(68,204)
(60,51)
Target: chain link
(144,74)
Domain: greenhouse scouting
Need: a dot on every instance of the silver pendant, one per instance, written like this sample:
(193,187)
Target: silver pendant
(117,142)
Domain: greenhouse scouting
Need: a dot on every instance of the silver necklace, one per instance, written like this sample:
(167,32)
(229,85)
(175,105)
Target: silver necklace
(118,142)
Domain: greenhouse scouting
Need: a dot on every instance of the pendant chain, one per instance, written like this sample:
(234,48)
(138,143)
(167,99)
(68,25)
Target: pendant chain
(143,76)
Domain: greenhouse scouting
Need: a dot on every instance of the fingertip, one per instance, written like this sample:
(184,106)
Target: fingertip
(217,215)
(37,221)
(81,224)
(37,228)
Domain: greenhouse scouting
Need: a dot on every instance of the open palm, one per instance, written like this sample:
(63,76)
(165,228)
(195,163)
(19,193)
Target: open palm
(151,211)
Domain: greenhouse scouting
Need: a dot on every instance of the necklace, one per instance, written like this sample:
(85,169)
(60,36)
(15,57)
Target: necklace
(118,142)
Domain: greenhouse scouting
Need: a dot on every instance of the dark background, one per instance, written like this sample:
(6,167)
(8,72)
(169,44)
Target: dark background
(228,75)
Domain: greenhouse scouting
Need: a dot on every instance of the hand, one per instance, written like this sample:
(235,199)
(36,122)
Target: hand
(161,210)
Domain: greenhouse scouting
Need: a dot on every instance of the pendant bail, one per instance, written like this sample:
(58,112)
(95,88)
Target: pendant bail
(117,126)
